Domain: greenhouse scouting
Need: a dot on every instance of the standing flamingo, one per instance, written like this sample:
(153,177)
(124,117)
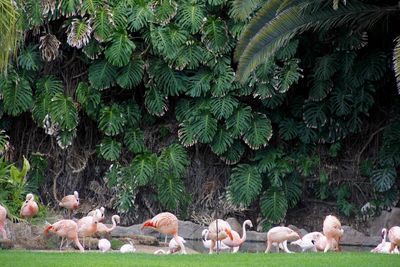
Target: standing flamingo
(103,229)
(87,226)
(237,241)
(70,202)
(207,242)
(218,230)
(332,229)
(29,207)
(384,246)
(3,215)
(102,217)
(65,229)
(165,223)
(280,235)
(394,238)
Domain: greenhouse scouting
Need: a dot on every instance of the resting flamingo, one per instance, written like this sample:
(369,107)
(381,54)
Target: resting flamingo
(207,242)
(70,202)
(173,247)
(384,246)
(281,235)
(332,229)
(103,229)
(314,241)
(65,229)
(3,215)
(87,226)
(237,241)
(104,245)
(29,208)
(165,223)
(394,238)
(127,248)
(218,230)
(102,216)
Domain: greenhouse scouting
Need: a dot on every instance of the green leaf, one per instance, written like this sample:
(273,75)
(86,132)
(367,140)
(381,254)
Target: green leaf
(223,107)
(69,7)
(156,102)
(383,179)
(41,108)
(131,75)
(244,184)
(293,190)
(89,98)
(17,95)
(90,6)
(205,127)
(49,85)
(102,24)
(242,9)
(143,168)
(102,74)
(200,83)
(215,34)
(140,14)
(234,153)
(165,11)
(172,82)
(111,120)
(190,15)
(64,112)
(259,132)
(274,205)
(110,149)
(134,140)
(171,191)
(221,142)
(120,49)
(239,122)
(314,114)
(79,32)
(320,89)
(29,58)
(288,129)
(176,157)
(65,138)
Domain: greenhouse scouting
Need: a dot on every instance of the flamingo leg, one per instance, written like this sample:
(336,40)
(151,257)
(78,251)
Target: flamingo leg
(212,246)
(328,245)
(269,244)
(392,247)
(78,244)
(179,242)
(285,248)
(3,232)
(62,241)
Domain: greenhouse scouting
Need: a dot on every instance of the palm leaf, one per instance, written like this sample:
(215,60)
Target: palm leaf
(131,75)
(41,108)
(259,133)
(8,32)
(111,120)
(102,74)
(274,205)
(64,112)
(242,9)
(244,184)
(190,56)
(120,50)
(110,149)
(93,49)
(293,190)
(396,61)
(134,140)
(320,89)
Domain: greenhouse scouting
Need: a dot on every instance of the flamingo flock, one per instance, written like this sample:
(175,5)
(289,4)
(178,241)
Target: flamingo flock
(218,236)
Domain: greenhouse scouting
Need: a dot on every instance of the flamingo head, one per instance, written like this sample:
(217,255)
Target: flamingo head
(249,223)
(29,197)
(204,234)
(76,194)
(383,233)
(117,219)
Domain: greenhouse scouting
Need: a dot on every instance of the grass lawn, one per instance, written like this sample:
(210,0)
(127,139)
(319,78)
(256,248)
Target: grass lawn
(114,259)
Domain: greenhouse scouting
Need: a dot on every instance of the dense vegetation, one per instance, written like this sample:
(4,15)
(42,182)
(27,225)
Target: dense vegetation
(43,259)
(136,103)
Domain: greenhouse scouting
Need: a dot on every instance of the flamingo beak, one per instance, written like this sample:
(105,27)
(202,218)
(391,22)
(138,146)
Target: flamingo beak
(147,224)
(229,233)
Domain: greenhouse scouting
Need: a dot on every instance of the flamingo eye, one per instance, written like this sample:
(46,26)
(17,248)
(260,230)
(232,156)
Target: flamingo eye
(26,202)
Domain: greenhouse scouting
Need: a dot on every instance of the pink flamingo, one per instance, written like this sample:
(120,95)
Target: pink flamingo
(102,217)
(70,202)
(218,230)
(280,235)
(103,229)
(87,226)
(3,215)
(236,242)
(207,242)
(384,246)
(29,207)
(165,223)
(65,229)
(173,247)
(332,229)
(394,238)
(315,241)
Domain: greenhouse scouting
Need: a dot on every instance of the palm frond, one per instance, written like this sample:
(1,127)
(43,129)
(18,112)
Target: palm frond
(170,191)
(242,9)
(8,32)
(205,127)
(172,82)
(396,61)
(200,83)
(90,7)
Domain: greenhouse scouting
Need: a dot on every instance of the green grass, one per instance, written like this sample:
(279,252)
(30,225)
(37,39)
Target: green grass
(95,259)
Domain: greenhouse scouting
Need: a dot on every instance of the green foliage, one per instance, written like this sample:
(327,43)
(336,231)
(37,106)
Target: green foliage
(120,48)
(102,74)
(244,184)
(134,140)
(17,94)
(274,205)
(111,120)
(110,149)
(64,112)
(383,179)
(29,58)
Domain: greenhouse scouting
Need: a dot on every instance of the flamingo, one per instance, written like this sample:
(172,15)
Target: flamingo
(104,245)
(65,229)
(173,247)
(218,230)
(207,242)
(332,229)
(165,223)
(102,228)
(87,226)
(102,217)
(3,215)
(384,246)
(237,241)
(70,202)
(29,207)
(394,238)
(280,235)
(127,248)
